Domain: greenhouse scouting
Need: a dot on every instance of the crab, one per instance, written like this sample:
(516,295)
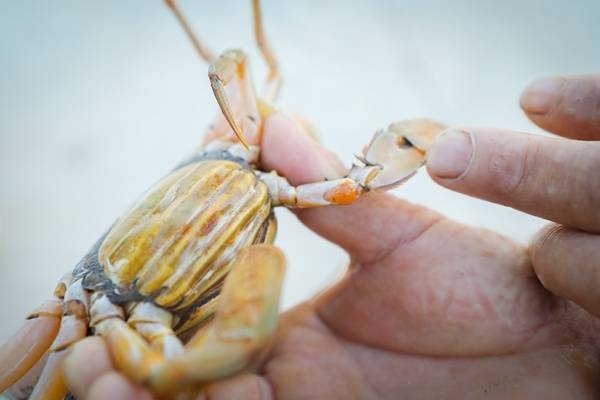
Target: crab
(184,287)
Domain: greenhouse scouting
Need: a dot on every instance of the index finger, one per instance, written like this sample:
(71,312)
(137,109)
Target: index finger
(556,179)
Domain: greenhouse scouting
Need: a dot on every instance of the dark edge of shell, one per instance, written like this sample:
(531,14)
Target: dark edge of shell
(213,155)
(93,278)
(184,314)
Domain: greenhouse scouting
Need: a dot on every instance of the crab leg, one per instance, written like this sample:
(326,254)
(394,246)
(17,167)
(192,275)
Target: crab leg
(221,73)
(126,341)
(24,386)
(140,345)
(154,324)
(274,79)
(128,350)
(50,385)
(203,51)
(31,342)
(73,327)
(231,69)
(391,158)
(245,322)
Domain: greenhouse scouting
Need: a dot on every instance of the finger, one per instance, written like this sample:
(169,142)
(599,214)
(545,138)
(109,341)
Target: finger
(552,178)
(367,229)
(115,386)
(568,106)
(86,363)
(243,387)
(567,263)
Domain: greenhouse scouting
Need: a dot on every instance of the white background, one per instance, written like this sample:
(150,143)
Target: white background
(99,99)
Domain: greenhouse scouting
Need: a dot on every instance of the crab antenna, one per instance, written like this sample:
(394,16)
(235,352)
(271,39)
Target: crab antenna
(274,79)
(203,51)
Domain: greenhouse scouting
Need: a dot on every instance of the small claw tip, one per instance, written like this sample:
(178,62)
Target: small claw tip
(243,140)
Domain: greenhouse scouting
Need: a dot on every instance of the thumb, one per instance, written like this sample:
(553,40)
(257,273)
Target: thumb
(368,229)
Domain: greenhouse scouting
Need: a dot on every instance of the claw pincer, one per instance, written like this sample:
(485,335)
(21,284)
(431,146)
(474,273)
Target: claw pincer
(399,151)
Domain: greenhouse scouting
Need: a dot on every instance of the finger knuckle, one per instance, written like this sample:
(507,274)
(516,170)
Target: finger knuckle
(508,167)
(542,248)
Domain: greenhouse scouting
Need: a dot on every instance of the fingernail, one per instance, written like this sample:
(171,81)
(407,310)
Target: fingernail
(450,155)
(541,95)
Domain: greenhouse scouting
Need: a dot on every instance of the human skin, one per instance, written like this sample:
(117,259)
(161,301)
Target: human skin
(431,308)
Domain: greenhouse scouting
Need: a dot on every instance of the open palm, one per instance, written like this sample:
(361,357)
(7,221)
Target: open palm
(447,312)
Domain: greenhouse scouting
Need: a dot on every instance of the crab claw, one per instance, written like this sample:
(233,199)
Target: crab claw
(400,150)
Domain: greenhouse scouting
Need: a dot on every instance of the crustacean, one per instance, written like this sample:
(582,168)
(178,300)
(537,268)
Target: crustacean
(184,287)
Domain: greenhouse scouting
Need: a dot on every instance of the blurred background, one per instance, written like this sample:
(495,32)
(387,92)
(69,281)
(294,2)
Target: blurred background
(100,99)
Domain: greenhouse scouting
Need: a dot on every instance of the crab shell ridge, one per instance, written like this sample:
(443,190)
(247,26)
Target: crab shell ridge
(176,244)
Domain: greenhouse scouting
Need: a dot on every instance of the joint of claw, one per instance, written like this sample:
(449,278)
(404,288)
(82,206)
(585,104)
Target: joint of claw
(364,175)
(102,309)
(71,330)
(61,287)
(280,191)
(75,308)
(60,290)
(227,66)
(149,313)
(399,151)
(222,77)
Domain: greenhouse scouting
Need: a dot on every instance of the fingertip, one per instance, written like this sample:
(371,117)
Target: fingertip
(540,96)
(451,155)
(565,105)
(87,361)
(115,386)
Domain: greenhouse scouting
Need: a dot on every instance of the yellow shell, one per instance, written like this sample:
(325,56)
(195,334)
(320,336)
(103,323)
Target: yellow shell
(177,242)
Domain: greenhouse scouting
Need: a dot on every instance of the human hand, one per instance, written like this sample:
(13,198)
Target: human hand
(429,309)
(553,178)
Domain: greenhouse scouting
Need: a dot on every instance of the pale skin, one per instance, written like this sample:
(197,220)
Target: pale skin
(432,308)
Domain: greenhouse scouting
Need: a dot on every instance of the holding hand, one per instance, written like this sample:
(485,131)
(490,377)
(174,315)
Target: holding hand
(553,178)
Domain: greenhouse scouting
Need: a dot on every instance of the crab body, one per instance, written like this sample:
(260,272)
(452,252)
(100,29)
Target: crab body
(175,246)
